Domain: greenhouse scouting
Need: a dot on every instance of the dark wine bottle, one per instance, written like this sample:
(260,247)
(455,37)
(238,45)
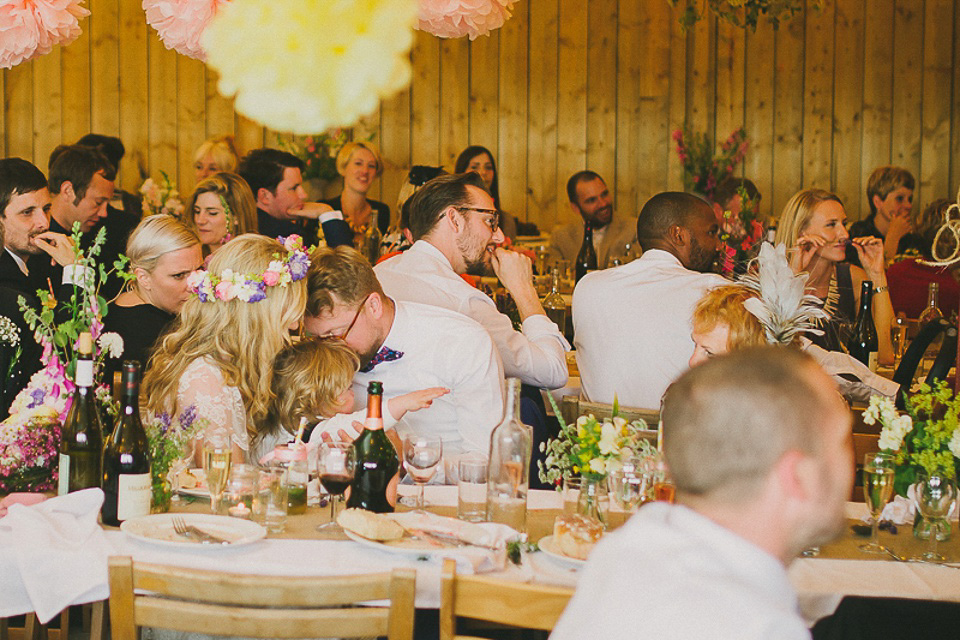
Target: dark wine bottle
(81,442)
(587,258)
(374,486)
(863,342)
(126,457)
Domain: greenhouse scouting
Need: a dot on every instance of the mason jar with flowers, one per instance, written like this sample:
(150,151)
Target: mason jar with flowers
(925,440)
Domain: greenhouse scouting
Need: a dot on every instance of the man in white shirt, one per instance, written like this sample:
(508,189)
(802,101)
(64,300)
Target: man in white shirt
(758,444)
(632,324)
(409,347)
(455,226)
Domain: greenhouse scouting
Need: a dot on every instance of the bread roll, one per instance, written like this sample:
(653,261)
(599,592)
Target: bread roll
(370,525)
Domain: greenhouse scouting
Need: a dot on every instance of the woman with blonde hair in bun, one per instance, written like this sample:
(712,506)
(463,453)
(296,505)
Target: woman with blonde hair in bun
(218,358)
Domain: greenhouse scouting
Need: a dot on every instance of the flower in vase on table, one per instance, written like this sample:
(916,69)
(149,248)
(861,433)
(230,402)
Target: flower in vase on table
(168,439)
(162,197)
(29,451)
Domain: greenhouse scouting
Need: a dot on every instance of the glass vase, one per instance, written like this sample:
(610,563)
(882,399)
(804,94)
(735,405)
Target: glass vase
(594,498)
(922,526)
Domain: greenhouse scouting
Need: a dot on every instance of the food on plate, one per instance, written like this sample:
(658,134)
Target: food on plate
(370,525)
(191,479)
(575,535)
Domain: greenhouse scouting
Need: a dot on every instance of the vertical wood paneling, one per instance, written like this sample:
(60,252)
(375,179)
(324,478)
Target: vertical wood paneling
(677,105)
(454,99)
(249,134)
(758,115)
(134,120)
(955,115)
(730,79)
(425,90)
(3,120)
(512,121)
(818,97)
(571,98)
(191,128)
(937,76)
(701,76)
(907,94)
(630,65)
(18,112)
(75,86)
(369,129)
(542,179)
(602,89)
(848,105)
(162,108)
(104,67)
(484,88)
(219,110)
(788,94)
(877,96)
(47,96)
(395,146)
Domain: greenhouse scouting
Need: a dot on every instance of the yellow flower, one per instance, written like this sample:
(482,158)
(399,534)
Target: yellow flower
(305,66)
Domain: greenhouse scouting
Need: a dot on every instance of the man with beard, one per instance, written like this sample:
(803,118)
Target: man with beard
(455,227)
(759,448)
(614,238)
(632,324)
(409,347)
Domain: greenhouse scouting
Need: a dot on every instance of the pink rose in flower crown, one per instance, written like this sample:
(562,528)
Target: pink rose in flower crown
(270,277)
(292,243)
(224,291)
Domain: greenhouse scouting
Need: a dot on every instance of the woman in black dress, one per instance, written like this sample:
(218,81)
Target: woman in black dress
(360,165)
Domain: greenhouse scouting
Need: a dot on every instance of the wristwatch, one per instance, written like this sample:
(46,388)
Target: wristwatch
(880,289)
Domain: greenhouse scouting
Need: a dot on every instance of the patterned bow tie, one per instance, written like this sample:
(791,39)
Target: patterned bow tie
(384,355)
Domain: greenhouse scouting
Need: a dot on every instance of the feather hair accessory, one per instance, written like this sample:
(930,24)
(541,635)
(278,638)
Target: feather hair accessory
(784,308)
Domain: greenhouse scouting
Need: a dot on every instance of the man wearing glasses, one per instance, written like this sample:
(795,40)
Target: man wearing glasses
(455,227)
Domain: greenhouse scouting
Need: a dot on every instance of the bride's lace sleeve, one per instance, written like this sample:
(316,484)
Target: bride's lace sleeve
(202,385)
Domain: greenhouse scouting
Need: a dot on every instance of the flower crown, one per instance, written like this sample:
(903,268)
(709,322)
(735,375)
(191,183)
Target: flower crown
(252,287)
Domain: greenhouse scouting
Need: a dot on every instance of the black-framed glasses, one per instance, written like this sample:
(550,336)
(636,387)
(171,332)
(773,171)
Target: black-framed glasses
(356,316)
(493,221)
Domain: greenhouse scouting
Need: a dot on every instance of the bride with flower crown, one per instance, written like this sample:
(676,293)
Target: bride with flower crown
(218,356)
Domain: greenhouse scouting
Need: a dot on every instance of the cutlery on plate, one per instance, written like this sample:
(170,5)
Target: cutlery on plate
(181,527)
(448,538)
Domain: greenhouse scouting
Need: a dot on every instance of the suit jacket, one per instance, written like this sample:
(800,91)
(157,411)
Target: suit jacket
(565,242)
(336,232)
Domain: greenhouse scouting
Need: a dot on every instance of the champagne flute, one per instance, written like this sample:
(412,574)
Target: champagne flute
(217,454)
(877,490)
(934,495)
(421,457)
(337,466)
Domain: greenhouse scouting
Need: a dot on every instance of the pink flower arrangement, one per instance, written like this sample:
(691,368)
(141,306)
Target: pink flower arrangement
(31,28)
(29,451)
(702,171)
(180,23)
(458,18)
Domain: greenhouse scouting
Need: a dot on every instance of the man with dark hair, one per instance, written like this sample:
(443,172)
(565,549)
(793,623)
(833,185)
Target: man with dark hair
(632,324)
(613,237)
(890,196)
(275,178)
(123,201)
(454,224)
(759,448)
(726,197)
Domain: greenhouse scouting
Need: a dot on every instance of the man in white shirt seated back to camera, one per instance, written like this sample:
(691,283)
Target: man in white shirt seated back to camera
(409,347)
(456,230)
(632,323)
(758,443)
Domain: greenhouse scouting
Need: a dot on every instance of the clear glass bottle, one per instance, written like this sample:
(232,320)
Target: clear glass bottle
(81,443)
(932,311)
(293,458)
(508,470)
(587,258)
(553,302)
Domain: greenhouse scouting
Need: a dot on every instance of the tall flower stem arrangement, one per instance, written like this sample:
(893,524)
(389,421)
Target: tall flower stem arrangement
(168,440)
(702,169)
(318,152)
(161,197)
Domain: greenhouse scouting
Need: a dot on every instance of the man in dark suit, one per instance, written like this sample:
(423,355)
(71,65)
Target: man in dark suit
(275,179)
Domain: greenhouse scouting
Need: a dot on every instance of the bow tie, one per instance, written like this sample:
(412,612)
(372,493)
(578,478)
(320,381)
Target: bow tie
(384,355)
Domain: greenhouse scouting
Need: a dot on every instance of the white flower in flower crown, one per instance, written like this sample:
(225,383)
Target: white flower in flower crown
(112,343)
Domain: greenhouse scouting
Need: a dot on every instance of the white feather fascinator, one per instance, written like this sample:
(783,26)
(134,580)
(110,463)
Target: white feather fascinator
(783,308)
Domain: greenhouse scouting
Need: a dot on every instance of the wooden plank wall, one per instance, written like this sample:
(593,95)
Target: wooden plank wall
(564,85)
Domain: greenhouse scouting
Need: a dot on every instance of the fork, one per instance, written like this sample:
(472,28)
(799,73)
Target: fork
(181,527)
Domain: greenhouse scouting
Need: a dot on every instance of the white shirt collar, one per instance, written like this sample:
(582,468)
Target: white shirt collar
(428,249)
(20,263)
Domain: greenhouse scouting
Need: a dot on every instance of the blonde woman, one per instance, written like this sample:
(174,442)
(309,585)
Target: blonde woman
(162,253)
(221,207)
(219,357)
(359,164)
(215,154)
(813,228)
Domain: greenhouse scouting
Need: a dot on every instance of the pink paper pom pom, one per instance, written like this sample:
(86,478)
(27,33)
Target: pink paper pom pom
(458,18)
(180,23)
(31,28)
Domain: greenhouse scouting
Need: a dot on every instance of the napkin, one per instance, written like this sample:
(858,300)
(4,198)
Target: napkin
(20,498)
(469,558)
(900,510)
(61,552)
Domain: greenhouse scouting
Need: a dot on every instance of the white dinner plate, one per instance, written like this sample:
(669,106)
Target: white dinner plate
(158,529)
(550,550)
(406,545)
(199,491)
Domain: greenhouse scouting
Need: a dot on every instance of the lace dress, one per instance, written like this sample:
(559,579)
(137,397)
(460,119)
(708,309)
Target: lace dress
(203,386)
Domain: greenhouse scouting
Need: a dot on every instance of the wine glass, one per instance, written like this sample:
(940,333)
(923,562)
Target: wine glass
(934,495)
(337,465)
(421,456)
(217,454)
(628,486)
(877,490)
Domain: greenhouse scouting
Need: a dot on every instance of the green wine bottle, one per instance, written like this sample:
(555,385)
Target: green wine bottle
(126,457)
(81,443)
(374,485)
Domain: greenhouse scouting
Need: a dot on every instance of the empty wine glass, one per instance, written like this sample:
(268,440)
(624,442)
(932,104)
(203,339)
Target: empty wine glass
(421,456)
(628,485)
(877,489)
(934,495)
(337,466)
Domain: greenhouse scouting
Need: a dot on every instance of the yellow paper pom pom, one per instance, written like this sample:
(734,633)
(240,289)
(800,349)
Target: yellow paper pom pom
(305,66)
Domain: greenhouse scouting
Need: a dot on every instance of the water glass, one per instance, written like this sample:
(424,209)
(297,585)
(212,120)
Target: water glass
(270,502)
(472,488)
(237,497)
(628,486)
(934,495)
(571,495)
(421,457)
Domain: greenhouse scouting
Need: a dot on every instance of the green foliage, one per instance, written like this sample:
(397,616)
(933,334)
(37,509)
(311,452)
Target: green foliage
(743,13)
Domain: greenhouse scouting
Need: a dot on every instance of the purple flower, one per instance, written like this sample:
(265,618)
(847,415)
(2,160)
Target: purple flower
(187,416)
(36,398)
(259,292)
(299,263)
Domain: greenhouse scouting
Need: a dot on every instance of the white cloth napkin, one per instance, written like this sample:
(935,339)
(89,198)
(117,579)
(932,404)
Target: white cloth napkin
(470,559)
(900,510)
(60,550)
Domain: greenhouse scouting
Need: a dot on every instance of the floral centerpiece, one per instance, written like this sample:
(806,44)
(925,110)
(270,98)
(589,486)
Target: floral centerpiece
(168,440)
(162,197)
(318,152)
(702,170)
(29,451)
(740,234)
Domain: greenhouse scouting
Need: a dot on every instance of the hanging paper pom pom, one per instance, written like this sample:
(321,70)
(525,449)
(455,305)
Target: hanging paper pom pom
(458,18)
(180,23)
(305,66)
(31,28)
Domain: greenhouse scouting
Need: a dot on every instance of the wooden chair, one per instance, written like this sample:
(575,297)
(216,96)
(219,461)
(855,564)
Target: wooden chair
(518,605)
(219,603)
(572,407)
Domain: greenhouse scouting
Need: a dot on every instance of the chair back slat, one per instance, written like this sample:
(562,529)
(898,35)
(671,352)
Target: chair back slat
(572,407)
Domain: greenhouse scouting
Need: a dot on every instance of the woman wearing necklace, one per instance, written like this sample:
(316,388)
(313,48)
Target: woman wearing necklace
(221,207)
(359,164)
(162,253)
(813,227)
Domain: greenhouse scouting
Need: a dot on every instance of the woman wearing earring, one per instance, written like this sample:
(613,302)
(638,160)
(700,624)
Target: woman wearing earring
(162,253)
(221,207)
(360,165)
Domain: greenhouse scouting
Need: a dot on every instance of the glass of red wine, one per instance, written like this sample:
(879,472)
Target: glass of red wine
(336,465)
